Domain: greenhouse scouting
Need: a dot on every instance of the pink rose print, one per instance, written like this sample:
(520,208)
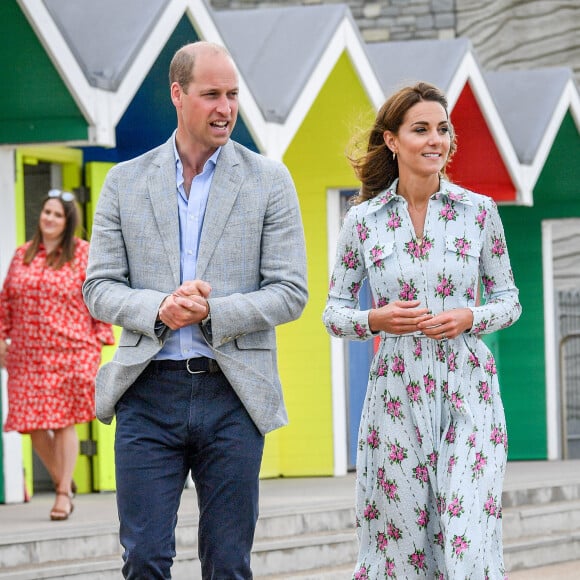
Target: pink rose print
(371,512)
(382,367)
(419,250)
(336,331)
(387,485)
(390,568)
(450,435)
(491,507)
(452,362)
(498,247)
(498,435)
(445,288)
(394,221)
(397,453)
(448,213)
(451,463)
(377,256)
(438,539)
(432,458)
(471,440)
(354,289)
(440,353)
(407,290)
(362,231)
(419,436)
(480,218)
(373,439)
(414,392)
(470,294)
(350,259)
(398,366)
(393,532)
(421,474)
(359,330)
(417,560)
(393,407)
(484,392)
(362,573)
(480,327)
(332,282)
(478,465)
(429,384)
(460,545)
(490,366)
(472,361)
(462,247)
(422,517)
(439,575)
(457,400)
(382,541)
(382,301)
(455,507)
(488,283)
(418,351)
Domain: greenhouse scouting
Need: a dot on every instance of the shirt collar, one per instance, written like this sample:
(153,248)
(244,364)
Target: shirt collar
(209,164)
(448,192)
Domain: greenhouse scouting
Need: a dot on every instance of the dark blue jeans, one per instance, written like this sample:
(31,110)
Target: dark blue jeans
(169,424)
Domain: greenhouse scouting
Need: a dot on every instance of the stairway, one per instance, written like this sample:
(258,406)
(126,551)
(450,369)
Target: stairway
(310,538)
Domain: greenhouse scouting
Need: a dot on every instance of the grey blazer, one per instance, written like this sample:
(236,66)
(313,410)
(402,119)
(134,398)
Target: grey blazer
(251,251)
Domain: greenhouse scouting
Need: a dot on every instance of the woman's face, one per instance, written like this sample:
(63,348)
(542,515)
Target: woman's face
(423,141)
(52,220)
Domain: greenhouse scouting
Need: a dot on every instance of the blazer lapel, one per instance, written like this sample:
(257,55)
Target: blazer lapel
(224,190)
(163,195)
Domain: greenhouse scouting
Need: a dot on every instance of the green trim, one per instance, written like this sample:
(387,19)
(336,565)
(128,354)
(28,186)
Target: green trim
(38,106)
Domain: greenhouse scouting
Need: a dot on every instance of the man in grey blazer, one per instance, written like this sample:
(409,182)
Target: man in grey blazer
(198,253)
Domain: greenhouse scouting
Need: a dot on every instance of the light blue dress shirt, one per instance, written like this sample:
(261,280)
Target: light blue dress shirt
(188,342)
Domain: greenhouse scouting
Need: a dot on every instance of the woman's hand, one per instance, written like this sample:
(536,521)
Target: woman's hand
(3,353)
(447,324)
(399,317)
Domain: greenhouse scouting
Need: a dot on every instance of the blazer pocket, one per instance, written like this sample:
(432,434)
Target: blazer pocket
(262,340)
(129,338)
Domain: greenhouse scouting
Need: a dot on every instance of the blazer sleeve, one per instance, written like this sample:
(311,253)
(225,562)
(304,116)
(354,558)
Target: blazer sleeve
(107,289)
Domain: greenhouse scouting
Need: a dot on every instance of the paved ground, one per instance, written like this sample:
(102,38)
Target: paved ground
(279,494)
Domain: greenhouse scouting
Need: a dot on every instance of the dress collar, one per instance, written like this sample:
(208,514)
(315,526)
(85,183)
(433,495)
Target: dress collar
(448,192)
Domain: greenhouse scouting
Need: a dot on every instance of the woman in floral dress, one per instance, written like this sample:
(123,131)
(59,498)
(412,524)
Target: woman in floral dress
(49,343)
(432,440)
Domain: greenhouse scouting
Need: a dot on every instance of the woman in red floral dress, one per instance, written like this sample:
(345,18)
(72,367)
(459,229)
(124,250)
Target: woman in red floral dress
(50,344)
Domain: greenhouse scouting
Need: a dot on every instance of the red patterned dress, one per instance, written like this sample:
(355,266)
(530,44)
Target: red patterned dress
(55,344)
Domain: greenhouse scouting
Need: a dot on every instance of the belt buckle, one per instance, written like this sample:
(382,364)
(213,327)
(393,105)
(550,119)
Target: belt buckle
(190,371)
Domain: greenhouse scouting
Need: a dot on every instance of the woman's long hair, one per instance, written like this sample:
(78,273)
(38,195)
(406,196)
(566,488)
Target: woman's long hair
(65,251)
(376,168)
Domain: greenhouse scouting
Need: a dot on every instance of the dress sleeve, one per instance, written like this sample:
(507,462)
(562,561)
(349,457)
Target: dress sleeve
(102,330)
(500,307)
(6,303)
(342,315)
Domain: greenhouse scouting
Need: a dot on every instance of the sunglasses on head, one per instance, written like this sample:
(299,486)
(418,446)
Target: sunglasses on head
(64,195)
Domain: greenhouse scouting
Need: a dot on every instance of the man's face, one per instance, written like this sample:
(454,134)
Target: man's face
(208,108)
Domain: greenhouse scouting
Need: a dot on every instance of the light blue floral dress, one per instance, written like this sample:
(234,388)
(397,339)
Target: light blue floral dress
(432,442)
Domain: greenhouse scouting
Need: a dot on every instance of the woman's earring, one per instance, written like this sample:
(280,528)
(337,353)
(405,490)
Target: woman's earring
(394,155)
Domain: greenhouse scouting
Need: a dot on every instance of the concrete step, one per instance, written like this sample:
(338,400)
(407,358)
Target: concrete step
(541,550)
(301,541)
(548,518)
